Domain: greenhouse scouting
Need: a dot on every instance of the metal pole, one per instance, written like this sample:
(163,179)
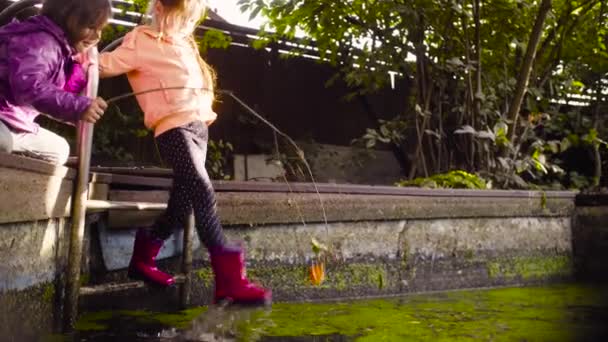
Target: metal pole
(11,11)
(113,45)
(184,291)
(79,201)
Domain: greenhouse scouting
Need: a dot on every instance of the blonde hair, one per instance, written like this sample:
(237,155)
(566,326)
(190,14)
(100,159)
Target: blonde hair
(183,16)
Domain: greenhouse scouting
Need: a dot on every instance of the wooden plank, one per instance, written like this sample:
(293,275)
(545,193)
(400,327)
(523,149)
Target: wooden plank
(118,287)
(152,182)
(115,205)
(134,171)
(100,178)
(98,191)
(346,189)
(133,218)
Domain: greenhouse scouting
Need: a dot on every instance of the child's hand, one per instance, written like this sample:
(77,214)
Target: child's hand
(95,110)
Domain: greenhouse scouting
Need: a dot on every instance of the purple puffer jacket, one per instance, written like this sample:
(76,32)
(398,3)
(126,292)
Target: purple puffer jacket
(38,74)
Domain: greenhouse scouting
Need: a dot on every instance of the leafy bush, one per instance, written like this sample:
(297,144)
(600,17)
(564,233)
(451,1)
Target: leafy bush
(456,179)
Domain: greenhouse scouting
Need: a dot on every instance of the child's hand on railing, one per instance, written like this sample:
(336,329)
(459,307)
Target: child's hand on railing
(95,110)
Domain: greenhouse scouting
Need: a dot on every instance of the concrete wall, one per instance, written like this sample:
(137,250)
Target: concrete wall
(34,235)
(329,164)
(375,258)
(371,258)
(420,240)
(347,164)
(590,235)
(386,243)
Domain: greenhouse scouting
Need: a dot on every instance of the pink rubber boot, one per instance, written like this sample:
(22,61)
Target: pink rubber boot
(231,281)
(143,264)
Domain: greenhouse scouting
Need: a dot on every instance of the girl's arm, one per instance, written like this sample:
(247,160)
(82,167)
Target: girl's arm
(120,61)
(30,72)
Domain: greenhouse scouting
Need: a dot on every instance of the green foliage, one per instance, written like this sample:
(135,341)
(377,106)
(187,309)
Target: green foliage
(219,154)
(389,131)
(456,179)
(119,146)
(592,139)
(317,247)
(451,111)
(214,39)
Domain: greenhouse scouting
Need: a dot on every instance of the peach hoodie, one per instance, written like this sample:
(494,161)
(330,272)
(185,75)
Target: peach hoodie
(151,62)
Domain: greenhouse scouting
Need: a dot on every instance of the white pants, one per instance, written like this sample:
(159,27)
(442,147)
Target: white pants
(44,145)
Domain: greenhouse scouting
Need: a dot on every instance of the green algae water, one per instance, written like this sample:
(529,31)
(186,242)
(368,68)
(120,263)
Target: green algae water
(554,313)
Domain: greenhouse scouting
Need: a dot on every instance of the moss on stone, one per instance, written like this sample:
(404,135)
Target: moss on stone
(177,320)
(552,313)
(469,254)
(493,270)
(338,277)
(205,275)
(530,268)
(84,279)
(48,293)
(406,254)
(55,338)
(100,321)
(531,314)
(94,321)
(365,275)
(28,311)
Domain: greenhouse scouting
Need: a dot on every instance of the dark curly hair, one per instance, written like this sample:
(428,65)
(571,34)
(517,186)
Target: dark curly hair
(75,16)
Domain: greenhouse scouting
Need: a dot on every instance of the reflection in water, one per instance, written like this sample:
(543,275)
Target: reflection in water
(556,313)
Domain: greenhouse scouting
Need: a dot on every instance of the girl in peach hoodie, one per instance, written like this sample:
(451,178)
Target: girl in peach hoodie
(164,54)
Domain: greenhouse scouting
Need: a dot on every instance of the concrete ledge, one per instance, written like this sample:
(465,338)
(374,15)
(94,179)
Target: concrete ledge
(13,161)
(255,208)
(33,190)
(30,196)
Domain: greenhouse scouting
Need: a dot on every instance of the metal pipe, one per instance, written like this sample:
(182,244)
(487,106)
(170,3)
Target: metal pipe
(79,201)
(113,45)
(11,11)
(184,291)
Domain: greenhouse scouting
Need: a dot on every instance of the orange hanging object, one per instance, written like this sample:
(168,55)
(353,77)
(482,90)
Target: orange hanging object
(317,273)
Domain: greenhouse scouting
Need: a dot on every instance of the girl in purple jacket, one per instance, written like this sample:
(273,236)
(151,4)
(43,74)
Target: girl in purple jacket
(38,74)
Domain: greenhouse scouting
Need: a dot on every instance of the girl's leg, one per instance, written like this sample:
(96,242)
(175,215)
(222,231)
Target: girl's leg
(6,138)
(149,242)
(44,145)
(228,262)
(185,148)
(180,149)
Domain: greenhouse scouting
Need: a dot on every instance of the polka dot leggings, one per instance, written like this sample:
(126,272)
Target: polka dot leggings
(185,149)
